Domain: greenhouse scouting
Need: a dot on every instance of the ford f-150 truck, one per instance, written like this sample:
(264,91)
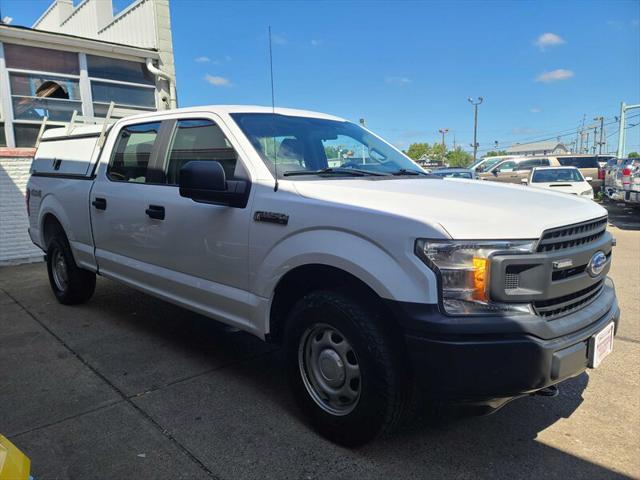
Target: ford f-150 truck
(382,283)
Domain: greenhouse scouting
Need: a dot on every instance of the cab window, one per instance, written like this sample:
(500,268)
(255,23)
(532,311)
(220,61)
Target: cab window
(529,164)
(199,139)
(132,153)
(506,167)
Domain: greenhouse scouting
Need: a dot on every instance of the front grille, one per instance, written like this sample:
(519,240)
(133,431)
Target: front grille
(572,236)
(559,306)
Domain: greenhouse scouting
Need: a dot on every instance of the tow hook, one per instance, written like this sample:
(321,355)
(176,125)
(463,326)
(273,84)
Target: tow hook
(551,391)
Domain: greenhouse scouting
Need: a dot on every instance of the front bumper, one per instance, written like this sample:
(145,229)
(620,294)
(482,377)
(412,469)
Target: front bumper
(491,360)
(631,196)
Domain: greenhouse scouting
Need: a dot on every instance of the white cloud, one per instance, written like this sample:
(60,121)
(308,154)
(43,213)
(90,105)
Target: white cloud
(554,76)
(548,40)
(535,110)
(278,39)
(218,81)
(202,59)
(398,81)
(316,43)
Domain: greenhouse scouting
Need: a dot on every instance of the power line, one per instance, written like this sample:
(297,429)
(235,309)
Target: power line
(551,136)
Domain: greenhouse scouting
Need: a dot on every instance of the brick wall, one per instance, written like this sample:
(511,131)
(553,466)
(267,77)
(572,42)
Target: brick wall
(15,244)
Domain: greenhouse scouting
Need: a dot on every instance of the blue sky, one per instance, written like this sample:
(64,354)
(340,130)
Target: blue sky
(408,67)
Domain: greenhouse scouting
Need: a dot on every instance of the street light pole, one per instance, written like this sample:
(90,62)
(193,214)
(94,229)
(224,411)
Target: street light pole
(443,131)
(475,104)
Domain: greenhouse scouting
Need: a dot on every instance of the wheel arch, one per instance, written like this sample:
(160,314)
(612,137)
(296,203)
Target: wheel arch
(305,279)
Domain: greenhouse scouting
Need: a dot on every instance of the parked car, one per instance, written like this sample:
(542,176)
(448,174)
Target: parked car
(455,173)
(560,179)
(631,181)
(515,169)
(385,286)
(589,166)
(487,162)
(622,179)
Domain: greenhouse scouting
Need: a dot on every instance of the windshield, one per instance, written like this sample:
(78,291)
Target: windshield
(486,164)
(315,146)
(557,175)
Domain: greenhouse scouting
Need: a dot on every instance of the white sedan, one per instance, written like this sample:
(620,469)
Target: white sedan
(560,179)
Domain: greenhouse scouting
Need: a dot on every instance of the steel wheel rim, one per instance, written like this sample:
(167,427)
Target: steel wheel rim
(59,270)
(330,369)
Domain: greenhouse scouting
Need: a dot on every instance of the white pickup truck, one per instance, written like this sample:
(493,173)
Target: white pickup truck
(382,283)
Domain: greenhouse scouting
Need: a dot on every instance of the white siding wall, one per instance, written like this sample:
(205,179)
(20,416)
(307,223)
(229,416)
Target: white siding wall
(135,25)
(15,244)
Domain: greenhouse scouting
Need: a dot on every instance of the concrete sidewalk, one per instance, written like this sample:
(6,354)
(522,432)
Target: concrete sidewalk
(127,386)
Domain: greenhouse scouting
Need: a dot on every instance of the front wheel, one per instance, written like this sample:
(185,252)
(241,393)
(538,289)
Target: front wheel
(70,284)
(344,368)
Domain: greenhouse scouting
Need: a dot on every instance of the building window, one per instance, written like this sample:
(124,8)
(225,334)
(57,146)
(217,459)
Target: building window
(41,59)
(26,134)
(128,84)
(35,96)
(3,138)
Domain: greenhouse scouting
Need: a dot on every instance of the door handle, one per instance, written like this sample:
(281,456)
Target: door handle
(100,203)
(155,211)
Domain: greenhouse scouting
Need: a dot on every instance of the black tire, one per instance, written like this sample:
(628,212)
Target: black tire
(79,285)
(383,385)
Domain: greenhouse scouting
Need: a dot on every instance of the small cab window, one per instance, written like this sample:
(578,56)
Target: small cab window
(132,153)
(579,162)
(199,140)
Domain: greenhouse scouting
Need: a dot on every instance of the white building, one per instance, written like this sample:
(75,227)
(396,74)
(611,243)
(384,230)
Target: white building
(74,59)
(538,148)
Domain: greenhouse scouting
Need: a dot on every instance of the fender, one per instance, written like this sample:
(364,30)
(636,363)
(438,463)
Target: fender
(404,279)
(81,251)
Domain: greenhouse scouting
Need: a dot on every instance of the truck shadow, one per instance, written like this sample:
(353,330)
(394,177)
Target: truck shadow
(623,216)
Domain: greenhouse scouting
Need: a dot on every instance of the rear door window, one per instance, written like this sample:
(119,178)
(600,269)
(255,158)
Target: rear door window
(579,162)
(529,164)
(199,139)
(132,153)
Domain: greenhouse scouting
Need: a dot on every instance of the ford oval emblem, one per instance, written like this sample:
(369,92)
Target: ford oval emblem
(596,264)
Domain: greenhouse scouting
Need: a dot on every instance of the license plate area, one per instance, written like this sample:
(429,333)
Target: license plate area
(601,345)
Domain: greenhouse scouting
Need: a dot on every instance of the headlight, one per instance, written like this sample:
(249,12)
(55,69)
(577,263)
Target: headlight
(464,272)
(587,192)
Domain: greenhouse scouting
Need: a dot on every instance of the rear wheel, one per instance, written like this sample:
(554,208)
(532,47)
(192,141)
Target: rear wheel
(344,368)
(70,283)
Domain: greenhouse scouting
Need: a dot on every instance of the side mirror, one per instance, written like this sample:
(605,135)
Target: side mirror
(495,172)
(524,181)
(589,179)
(204,181)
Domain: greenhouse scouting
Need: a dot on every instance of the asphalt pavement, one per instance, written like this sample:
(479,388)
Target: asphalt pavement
(128,386)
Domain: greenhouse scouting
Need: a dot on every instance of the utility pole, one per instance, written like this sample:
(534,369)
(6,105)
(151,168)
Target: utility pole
(595,139)
(584,117)
(623,110)
(475,104)
(601,142)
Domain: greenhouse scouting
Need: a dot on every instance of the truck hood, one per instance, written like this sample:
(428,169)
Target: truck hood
(465,209)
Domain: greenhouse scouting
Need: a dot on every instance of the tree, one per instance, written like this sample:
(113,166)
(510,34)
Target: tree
(494,153)
(417,150)
(438,151)
(634,155)
(459,158)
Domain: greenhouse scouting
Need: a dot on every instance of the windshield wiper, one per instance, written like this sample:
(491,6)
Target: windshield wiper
(404,171)
(333,171)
